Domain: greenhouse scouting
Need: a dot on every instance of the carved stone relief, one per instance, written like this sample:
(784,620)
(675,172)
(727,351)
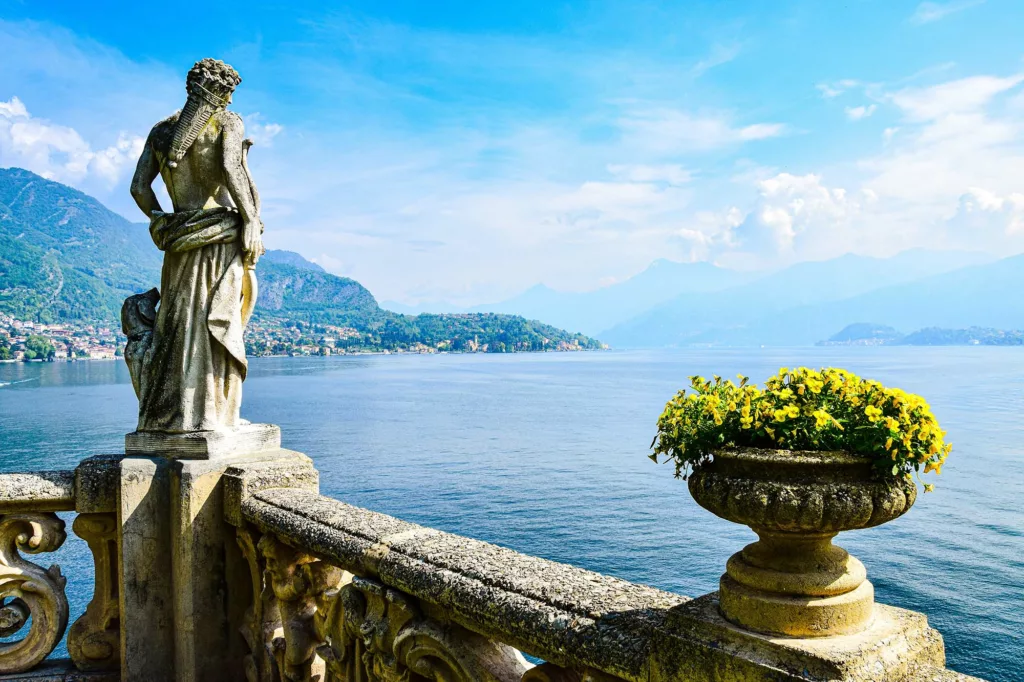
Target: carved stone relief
(29,590)
(378,634)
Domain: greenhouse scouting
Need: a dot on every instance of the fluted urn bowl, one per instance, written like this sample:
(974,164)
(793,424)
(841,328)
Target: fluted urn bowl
(793,581)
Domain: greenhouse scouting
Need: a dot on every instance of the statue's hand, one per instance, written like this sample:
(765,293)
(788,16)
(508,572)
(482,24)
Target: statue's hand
(252,243)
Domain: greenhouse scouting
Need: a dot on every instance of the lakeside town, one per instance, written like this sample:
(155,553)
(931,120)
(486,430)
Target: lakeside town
(28,341)
(25,341)
(22,341)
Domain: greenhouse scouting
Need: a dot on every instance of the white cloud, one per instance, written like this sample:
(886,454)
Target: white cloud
(928,12)
(720,54)
(984,216)
(673,130)
(831,90)
(797,217)
(261,132)
(59,152)
(954,97)
(956,135)
(858,113)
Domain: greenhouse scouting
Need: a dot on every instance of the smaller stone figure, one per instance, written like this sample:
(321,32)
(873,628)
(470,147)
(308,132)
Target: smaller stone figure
(138,314)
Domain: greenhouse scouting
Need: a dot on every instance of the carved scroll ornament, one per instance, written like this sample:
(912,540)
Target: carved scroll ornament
(378,634)
(29,590)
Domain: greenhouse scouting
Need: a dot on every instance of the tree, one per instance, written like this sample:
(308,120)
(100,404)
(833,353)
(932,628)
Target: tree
(39,347)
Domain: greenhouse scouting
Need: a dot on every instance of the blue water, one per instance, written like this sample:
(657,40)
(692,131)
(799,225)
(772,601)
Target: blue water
(546,454)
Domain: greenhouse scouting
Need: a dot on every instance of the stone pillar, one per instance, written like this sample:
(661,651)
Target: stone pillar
(183,579)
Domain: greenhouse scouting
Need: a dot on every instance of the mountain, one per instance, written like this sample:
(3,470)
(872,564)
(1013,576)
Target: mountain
(64,257)
(795,306)
(292,287)
(594,311)
(863,334)
(976,296)
(291,258)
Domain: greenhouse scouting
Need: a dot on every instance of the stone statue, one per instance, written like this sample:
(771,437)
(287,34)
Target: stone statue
(188,368)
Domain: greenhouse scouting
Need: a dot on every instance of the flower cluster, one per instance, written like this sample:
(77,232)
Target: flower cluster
(802,409)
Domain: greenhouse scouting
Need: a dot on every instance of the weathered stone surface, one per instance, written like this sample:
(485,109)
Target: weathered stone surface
(37,491)
(94,641)
(578,619)
(792,492)
(96,482)
(563,614)
(247,439)
(60,670)
(27,589)
(145,585)
(286,469)
(376,633)
(187,358)
(793,581)
(698,643)
(926,673)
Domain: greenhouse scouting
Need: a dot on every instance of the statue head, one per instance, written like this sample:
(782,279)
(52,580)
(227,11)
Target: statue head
(210,84)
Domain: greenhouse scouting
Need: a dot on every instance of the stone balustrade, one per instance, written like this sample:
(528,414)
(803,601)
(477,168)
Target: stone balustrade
(359,595)
(34,614)
(238,569)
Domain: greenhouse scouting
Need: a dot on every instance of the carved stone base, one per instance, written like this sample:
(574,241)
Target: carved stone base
(698,643)
(246,439)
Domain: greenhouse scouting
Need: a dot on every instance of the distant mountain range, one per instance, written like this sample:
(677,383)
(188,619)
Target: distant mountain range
(684,304)
(866,334)
(64,257)
(596,311)
(809,301)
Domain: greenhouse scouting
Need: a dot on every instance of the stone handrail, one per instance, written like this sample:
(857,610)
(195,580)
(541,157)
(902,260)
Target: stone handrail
(357,595)
(33,598)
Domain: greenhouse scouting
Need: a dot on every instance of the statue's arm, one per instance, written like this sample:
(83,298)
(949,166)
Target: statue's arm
(142,182)
(239,185)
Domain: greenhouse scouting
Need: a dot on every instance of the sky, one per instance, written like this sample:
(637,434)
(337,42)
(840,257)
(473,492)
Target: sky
(465,151)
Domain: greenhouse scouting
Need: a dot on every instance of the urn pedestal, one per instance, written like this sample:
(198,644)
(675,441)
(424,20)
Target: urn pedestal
(793,581)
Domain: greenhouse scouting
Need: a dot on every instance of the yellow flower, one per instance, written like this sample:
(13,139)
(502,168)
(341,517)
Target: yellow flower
(873,413)
(928,487)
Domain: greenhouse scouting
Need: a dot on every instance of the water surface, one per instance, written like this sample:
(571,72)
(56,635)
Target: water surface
(546,453)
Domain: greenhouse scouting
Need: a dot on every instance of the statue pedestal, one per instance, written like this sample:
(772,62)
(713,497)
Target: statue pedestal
(182,575)
(246,439)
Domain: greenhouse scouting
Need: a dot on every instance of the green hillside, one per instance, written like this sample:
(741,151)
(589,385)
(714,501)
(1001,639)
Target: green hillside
(64,257)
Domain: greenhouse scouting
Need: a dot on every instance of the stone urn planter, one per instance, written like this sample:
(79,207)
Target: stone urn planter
(793,581)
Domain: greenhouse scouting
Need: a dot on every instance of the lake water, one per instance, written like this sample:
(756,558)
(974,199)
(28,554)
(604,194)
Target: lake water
(546,453)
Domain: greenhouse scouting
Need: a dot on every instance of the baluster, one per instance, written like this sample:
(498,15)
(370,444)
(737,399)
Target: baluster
(94,640)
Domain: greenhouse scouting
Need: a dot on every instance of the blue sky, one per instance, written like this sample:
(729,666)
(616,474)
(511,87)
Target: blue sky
(464,151)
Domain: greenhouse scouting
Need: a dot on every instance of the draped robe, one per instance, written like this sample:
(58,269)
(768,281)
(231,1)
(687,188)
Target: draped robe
(196,362)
